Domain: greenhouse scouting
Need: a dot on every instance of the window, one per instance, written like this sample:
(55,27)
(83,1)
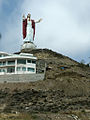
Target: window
(23,68)
(0,63)
(4,63)
(33,61)
(29,61)
(31,69)
(3,70)
(18,68)
(10,69)
(21,61)
(11,62)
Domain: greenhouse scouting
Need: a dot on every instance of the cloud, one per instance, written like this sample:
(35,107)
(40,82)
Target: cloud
(65,26)
(11,29)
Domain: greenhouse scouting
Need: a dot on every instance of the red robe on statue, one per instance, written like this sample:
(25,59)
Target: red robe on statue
(25,27)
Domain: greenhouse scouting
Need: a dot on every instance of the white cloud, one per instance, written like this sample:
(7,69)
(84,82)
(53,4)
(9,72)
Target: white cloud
(65,25)
(61,28)
(11,35)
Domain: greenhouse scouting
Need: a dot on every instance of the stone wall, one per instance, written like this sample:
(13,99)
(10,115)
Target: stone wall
(21,77)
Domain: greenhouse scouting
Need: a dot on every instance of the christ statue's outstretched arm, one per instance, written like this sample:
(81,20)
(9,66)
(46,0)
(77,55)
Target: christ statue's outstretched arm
(37,21)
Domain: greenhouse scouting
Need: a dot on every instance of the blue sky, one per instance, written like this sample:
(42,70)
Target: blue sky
(65,27)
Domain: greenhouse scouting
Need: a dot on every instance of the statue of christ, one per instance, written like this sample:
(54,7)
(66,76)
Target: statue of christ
(29,28)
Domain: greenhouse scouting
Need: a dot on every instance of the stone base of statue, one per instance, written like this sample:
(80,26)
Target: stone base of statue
(28,46)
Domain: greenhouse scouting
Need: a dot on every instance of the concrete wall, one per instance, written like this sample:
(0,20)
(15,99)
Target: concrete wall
(21,77)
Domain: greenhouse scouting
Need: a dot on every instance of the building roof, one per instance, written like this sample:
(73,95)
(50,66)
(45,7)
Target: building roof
(4,53)
(16,56)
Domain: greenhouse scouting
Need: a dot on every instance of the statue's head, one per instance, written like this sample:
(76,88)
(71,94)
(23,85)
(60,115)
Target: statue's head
(29,15)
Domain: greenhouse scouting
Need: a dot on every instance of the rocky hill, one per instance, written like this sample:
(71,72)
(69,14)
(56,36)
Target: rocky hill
(66,88)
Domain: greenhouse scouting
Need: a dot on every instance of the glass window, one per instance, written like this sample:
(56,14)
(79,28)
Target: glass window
(29,61)
(4,63)
(33,61)
(11,62)
(10,69)
(31,69)
(18,68)
(21,61)
(0,63)
(23,68)
(3,70)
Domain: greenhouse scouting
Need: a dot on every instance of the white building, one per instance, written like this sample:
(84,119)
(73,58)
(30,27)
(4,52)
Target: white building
(17,64)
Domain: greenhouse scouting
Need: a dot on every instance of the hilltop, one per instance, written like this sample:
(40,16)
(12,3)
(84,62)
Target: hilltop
(66,87)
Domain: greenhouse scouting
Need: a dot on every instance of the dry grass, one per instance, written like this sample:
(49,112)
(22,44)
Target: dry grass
(82,115)
(17,116)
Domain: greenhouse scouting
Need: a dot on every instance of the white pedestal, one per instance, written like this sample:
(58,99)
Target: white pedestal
(28,46)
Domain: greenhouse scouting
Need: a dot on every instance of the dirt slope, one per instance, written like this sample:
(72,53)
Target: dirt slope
(66,87)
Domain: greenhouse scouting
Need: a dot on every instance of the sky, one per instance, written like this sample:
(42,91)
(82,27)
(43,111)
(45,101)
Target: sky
(65,27)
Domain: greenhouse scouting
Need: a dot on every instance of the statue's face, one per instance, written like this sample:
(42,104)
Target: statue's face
(28,16)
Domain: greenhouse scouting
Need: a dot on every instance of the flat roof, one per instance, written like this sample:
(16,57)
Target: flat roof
(25,54)
(17,57)
(4,53)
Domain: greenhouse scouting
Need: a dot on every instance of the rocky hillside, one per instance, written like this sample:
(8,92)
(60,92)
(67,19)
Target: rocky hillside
(63,73)
(66,88)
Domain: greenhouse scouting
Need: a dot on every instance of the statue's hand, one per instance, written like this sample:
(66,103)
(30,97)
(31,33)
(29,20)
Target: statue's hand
(40,19)
(23,17)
